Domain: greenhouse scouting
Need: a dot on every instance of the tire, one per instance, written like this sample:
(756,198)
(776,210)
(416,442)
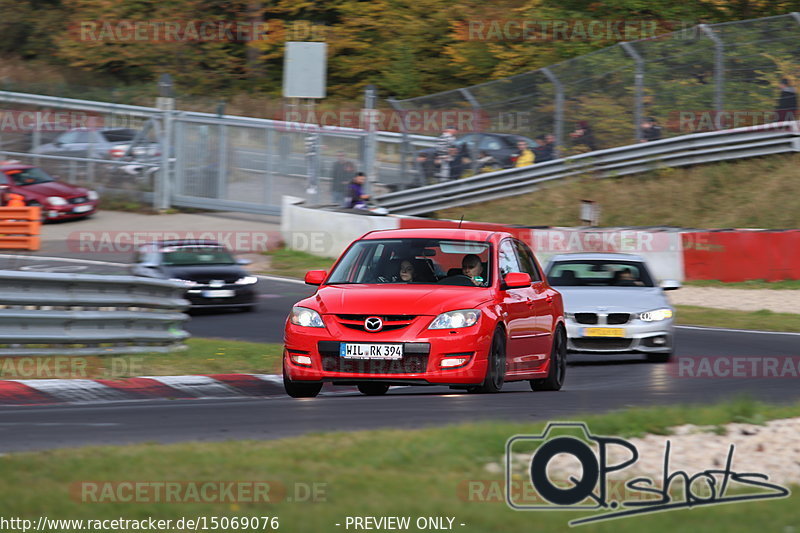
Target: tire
(659,357)
(298,389)
(558,365)
(373,389)
(496,368)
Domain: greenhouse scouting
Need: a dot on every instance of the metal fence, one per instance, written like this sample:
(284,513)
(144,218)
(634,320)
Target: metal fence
(684,80)
(194,159)
(82,314)
(778,138)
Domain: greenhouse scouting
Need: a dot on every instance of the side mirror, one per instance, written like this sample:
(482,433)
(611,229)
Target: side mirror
(243,262)
(517,280)
(670,284)
(316,277)
(148,265)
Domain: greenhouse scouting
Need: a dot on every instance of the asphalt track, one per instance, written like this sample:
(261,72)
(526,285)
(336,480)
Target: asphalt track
(593,384)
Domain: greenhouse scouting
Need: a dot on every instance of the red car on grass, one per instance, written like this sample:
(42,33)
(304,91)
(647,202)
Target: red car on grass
(463,308)
(58,200)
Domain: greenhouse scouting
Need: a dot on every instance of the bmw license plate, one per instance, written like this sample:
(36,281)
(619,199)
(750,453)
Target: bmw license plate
(219,294)
(349,350)
(81,208)
(603,332)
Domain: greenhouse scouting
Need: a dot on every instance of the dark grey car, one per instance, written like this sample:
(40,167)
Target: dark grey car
(103,143)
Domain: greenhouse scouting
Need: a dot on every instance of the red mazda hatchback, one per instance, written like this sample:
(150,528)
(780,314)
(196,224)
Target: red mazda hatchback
(468,309)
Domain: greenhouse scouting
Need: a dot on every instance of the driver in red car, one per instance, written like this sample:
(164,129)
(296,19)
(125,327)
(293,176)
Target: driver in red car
(472,267)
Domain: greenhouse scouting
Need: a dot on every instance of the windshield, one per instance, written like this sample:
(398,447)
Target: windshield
(115,136)
(418,261)
(195,255)
(29,176)
(599,273)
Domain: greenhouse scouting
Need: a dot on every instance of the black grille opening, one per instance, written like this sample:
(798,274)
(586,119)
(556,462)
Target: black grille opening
(78,200)
(618,318)
(601,344)
(586,318)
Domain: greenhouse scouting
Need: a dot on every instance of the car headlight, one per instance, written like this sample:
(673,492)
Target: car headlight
(92,195)
(55,200)
(247,280)
(655,315)
(569,315)
(187,282)
(463,318)
(302,316)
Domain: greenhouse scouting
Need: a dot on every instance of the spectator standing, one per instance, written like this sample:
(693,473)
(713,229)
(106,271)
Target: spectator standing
(446,141)
(451,166)
(546,151)
(356,197)
(650,130)
(342,173)
(583,135)
(525,157)
(787,101)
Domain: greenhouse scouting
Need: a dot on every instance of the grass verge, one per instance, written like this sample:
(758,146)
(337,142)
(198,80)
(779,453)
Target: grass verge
(372,473)
(720,195)
(294,264)
(723,318)
(203,356)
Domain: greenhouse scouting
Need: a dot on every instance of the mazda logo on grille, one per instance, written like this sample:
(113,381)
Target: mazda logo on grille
(373,324)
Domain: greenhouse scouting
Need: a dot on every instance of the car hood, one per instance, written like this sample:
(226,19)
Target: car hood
(53,188)
(613,299)
(205,273)
(395,299)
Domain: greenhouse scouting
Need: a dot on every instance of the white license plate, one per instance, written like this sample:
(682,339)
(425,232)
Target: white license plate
(219,294)
(81,208)
(370,351)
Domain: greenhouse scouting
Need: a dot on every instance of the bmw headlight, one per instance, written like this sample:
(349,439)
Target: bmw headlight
(55,200)
(302,316)
(247,280)
(655,315)
(92,195)
(463,318)
(187,282)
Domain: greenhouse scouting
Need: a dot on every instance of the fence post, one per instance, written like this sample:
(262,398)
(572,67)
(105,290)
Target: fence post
(404,145)
(558,117)
(371,139)
(638,80)
(476,107)
(719,67)
(166,103)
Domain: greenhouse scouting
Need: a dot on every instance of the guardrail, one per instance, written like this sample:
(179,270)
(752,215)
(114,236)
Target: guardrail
(19,228)
(776,138)
(80,314)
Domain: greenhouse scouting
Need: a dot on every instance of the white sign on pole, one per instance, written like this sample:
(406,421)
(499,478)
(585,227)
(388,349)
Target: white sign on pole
(304,69)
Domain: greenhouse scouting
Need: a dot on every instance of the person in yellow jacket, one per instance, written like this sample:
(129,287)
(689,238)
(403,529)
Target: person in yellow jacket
(526,156)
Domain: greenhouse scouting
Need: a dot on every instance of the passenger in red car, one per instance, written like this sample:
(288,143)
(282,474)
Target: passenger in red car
(406,270)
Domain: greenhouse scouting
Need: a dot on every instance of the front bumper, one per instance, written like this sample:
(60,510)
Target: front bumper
(66,212)
(202,298)
(638,337)
(423,352)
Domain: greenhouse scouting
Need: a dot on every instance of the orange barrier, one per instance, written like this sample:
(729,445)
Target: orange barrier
(19,228)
